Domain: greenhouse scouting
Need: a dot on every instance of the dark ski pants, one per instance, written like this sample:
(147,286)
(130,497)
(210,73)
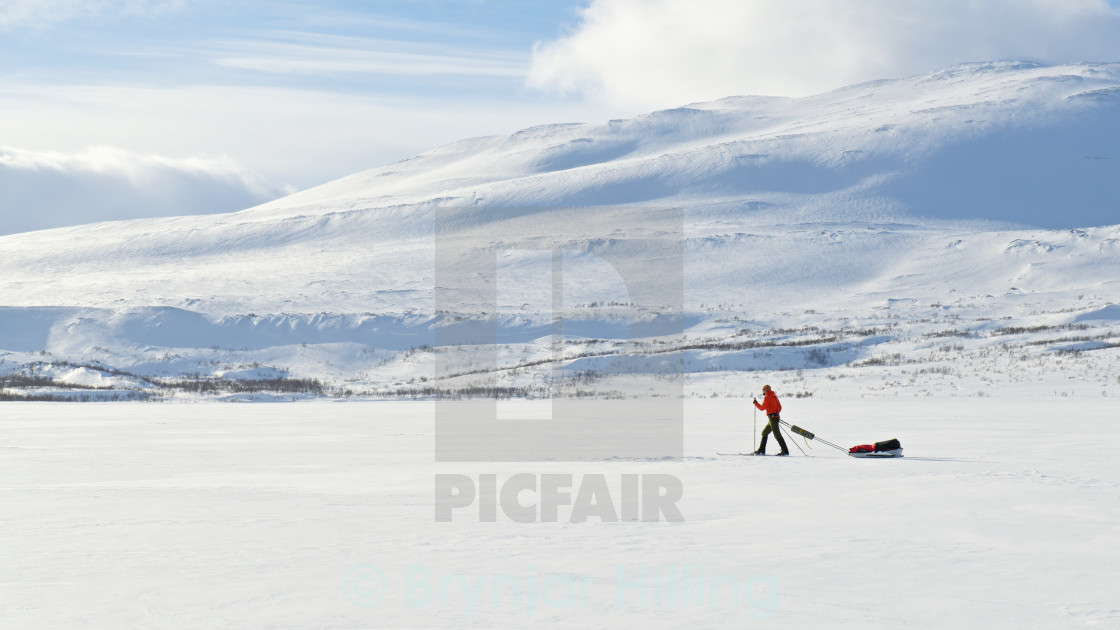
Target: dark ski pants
(772,426)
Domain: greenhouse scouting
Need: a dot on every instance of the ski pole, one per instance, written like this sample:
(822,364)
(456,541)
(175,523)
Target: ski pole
(797,445)
(754,433)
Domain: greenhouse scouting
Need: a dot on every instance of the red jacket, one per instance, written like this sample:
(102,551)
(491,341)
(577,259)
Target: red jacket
(770,403)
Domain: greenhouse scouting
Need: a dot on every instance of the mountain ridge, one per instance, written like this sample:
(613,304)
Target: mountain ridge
(796,165)
(994,90)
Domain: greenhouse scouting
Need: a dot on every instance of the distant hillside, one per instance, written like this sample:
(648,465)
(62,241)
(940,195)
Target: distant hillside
(988,191)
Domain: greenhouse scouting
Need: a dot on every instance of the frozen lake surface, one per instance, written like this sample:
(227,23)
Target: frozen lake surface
(1003,514)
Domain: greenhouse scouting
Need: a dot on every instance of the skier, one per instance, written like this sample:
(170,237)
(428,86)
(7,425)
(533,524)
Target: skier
(772,407)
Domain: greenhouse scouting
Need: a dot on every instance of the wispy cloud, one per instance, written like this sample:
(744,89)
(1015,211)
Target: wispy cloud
(657,53)
(334,54)
(40,189)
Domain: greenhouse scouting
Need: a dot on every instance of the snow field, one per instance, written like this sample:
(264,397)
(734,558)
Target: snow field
(1002,514)
(820,254)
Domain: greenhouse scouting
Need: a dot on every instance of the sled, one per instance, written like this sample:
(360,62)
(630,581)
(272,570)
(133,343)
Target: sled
(887,448)
(894,452)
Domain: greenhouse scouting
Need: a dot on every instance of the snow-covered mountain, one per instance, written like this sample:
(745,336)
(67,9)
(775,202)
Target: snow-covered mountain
(985,190)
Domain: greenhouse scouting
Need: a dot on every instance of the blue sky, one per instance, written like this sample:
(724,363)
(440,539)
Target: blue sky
(441,47)
(441,64)
(156,107)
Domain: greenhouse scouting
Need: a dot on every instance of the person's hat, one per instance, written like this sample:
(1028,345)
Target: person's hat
(765,388)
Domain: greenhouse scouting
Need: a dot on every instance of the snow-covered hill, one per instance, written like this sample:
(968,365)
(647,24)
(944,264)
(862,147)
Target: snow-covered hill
(842,211)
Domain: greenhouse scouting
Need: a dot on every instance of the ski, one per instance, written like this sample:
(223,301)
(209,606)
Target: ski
(753,454)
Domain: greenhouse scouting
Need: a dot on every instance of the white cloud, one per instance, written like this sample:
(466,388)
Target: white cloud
(292,137)
(660,53)
(41,190)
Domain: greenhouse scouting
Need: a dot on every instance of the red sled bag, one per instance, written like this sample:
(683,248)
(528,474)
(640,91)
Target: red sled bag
(887,448)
